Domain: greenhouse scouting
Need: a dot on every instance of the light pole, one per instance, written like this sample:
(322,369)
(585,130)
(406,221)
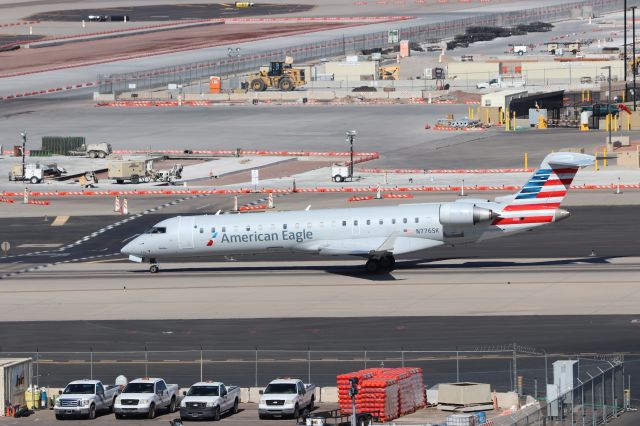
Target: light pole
(625,45)
(351,135)
(24,144)
(633,62)
(609,100)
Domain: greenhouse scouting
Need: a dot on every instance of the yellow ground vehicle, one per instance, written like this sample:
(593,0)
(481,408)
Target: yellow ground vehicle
(280,75)
(389,72)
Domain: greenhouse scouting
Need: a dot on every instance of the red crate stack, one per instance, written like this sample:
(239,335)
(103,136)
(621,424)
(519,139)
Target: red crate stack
(387,393)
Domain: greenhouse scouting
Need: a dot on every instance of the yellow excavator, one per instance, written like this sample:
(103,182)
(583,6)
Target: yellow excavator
(389,72)
(280,75)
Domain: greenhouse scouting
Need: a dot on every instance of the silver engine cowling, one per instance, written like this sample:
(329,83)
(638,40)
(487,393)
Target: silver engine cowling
(462,214)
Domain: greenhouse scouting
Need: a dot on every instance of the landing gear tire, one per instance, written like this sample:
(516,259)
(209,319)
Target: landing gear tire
(154,269)
(373,266)
(387,262)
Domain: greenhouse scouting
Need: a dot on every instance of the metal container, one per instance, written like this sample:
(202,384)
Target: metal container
(15,376)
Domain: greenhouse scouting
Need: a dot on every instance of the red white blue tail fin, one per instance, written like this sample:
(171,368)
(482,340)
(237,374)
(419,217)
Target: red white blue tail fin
(539,199)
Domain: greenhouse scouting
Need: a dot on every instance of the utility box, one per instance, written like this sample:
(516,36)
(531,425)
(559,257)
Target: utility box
(534,116)
(15,377)
(135,171)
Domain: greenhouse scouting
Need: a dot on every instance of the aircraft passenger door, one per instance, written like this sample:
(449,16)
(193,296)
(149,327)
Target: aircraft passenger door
(185,232)
(355,226)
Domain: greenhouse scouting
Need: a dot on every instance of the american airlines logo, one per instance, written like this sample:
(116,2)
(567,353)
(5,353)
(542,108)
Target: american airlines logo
(213,237)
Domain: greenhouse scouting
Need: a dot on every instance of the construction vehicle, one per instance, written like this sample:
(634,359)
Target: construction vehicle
(279,75)
(88,180)
(169,176)
(243,4)
(389,72)
(93,150)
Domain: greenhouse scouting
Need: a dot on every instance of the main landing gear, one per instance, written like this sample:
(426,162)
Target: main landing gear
(153,267)
(384,263)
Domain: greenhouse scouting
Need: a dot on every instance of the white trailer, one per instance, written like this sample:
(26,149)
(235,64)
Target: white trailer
(15,377)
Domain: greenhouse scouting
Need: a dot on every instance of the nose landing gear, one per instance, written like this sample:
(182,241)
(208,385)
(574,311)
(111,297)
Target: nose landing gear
(385,263)
(153,267)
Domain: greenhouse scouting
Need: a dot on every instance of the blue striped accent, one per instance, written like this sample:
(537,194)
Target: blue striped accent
(524,196)
(530,190)
(531,184)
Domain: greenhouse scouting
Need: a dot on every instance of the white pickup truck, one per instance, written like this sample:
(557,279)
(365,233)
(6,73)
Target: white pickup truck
(83,398)
(286,397)
(208,400)
(502,83)
(146,396)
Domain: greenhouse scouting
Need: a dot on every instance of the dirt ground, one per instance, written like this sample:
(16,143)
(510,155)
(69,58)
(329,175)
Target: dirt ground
(28,60)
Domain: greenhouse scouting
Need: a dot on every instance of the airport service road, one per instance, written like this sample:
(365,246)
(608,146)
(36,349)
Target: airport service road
(396,131)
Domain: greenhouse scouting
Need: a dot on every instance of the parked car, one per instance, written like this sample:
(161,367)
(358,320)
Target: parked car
(146,396)
(286,398)
(84,398)
(208,400)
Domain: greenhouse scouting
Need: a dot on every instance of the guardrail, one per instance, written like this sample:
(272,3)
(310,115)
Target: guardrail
(222,66)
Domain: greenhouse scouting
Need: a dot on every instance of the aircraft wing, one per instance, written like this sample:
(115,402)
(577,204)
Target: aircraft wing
(368,246)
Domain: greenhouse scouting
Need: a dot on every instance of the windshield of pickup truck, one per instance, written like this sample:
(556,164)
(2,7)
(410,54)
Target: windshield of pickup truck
(285,388)
(203,391)
(79,389)
(139,388)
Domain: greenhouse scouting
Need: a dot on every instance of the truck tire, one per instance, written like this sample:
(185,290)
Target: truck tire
(119,181)
(257,85)
(92,154)
(339,178)
(34,180)
(172,405)
(312,403)
(262,416)
(296,412)
(286,85)
(102,154)
(234,410)
(92,412)
(135,179)
(152,411)
(119,416)
(113,405)
(216,414)
(59,417)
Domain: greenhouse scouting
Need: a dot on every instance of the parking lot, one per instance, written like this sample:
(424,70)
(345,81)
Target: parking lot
(248,415)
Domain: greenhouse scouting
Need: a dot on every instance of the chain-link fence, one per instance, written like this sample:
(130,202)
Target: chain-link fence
(186,74)
(510,367)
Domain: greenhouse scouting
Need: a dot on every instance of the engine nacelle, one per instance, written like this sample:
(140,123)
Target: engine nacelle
(462,214)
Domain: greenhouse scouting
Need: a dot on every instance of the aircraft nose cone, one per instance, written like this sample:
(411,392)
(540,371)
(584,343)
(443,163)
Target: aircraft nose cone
(127,249)
(561,214)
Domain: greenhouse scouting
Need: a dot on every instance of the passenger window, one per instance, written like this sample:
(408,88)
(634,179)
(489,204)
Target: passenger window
(380,221)
(404,220)
(259,227)
(368,222)
(355,223)
(417,220)
(393,221)
(202,230)
(213,229)
(224,229)
(248,228)
(344,223)
(284,226)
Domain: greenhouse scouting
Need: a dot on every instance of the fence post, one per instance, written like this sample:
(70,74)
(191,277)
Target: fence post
(91,364)
(146,362)
(309,363)
(200,362)
(402,356)
(256,377)
(457,366)
(365,357)
(37,369)
(515,368)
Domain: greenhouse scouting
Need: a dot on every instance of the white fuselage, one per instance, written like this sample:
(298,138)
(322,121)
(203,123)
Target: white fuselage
(350,231)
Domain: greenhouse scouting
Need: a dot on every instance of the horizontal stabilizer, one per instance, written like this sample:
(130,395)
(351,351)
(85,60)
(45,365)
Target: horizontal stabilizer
(567,159)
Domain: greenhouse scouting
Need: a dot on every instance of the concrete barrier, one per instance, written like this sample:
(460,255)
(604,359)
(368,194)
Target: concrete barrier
(328,394)
(244,394)
(254,394)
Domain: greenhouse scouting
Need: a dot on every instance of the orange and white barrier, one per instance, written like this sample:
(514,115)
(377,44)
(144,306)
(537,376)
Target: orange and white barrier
(116,205)
(253,208)
(444,171)
(6,200)
(125,207)
(270,202)
(25,196)
(39,203)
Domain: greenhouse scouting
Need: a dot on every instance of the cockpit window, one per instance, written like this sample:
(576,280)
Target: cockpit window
(157,230)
